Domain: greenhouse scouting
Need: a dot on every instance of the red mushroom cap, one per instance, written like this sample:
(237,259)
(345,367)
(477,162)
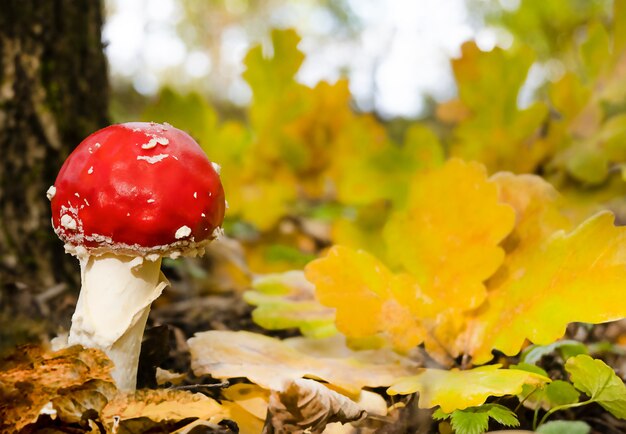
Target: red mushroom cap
(138,189)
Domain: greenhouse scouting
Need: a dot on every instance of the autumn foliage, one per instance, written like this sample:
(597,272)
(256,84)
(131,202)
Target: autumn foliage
(431,266)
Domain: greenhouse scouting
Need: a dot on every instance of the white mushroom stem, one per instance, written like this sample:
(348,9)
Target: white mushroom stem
(113,308)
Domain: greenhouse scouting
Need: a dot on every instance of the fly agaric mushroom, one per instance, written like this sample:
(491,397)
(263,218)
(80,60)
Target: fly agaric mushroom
(127,196)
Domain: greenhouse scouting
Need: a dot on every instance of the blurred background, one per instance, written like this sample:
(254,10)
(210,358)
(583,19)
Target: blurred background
(319,113)
(395,54)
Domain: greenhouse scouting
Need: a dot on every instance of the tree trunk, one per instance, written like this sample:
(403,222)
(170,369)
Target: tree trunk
(53,93)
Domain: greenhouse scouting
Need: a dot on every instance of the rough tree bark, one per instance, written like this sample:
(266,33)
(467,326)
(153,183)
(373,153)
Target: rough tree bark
(53,93)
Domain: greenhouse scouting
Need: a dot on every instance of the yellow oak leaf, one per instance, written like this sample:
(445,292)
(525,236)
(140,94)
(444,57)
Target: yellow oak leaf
(313,138)
(595,51)
(452,111)
(264,201)
(353,159)
(572,277)
(448,237)
(361,229)
(268,75)
(545,281)
(538,215)
(369,298)
(569,96)
(493,129)
(585,141)
(250,397)
(456,390)
(580,204)
(247,405)
(384,173)
(246,422)
(191,112)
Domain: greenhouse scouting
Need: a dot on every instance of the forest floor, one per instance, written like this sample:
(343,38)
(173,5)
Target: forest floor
(198,301)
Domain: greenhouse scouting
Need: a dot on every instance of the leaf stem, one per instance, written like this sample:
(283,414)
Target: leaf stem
(525,398)
(562,407)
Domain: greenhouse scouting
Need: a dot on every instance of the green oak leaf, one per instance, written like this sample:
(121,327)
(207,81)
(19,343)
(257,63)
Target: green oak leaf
(286,300)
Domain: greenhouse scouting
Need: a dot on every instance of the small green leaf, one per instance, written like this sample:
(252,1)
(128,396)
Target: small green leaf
(597,380)
(553,394)
(534,353)
(279,283)
(469,421)
(502,415)
(561,393)
(439,414)
(475,420)
(564,427)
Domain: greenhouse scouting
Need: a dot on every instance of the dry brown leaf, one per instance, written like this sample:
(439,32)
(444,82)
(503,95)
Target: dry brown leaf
(162,405)
(248,405)
(303,405)
(32,378)
(164,376)
(204,427)
(73,402)
(339,347)
(377,416)
(268,362)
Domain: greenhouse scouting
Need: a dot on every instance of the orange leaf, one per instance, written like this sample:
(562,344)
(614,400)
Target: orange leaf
(368,297)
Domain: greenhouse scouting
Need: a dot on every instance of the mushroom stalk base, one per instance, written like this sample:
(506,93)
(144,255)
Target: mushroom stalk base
(113,308)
